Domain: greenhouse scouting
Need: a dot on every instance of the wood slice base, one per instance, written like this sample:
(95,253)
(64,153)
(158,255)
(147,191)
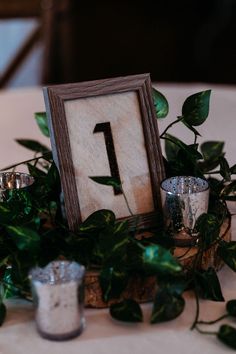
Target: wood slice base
(143,290)
(186,255)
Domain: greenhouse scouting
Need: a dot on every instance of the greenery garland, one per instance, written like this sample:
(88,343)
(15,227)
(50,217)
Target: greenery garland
(34,232)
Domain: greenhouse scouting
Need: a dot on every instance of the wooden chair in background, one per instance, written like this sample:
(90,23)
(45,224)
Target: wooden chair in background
(17,9)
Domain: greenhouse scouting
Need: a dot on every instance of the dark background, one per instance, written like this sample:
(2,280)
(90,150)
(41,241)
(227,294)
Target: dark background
(177,41)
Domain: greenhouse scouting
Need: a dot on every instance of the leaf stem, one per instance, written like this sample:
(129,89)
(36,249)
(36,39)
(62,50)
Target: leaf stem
(24,294)
(171,125)
(185,253)
(195,322)
(126,201)
(27,161)
(214,321)
(213,173)
(205,332)
(220,238)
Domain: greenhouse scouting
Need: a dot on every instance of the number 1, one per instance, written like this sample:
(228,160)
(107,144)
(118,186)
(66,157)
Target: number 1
(105,128)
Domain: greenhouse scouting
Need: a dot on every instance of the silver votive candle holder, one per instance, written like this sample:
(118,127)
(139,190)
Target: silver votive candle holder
(184,199)
(58,294)
(13,181)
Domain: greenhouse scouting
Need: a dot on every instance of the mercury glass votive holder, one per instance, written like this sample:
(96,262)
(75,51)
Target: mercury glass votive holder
(184,199)
(58,294)
(12,182)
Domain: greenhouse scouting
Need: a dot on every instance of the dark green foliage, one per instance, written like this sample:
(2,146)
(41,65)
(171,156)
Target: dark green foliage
(160,103)
(41,119)
(167,306)
(157,259)
(196,108)
(209,228)
(113,281)
(208,285)
(25,238)
(211,151)
(225,169)
(228,191)
(3,312)
(183,159)
(98,220)
(33,145)
(231,308)
(127,310)
(227,251)
(107,181)
(227,335)
(233,169)
(168,302)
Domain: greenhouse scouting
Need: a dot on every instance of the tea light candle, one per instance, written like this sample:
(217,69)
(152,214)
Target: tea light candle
(58,294)
(184,199)
(10,181)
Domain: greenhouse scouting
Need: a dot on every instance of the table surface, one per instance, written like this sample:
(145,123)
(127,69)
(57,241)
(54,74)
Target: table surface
(102,334)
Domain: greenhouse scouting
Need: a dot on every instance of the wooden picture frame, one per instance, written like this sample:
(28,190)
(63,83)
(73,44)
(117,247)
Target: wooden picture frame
(122,111)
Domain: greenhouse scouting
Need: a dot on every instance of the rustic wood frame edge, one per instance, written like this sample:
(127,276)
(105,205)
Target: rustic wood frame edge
(55,97)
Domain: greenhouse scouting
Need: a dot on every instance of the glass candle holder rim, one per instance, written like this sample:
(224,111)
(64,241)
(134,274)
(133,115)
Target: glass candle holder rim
(41,275)
(175,193)
(31,179)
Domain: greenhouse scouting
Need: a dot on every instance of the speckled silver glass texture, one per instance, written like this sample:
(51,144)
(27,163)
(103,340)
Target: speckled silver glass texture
(58,293)
(184,199)
(10,181)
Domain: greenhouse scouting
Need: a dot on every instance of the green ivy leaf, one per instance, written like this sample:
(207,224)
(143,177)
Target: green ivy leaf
(231,308)
(218,208)
(183,158)
(224,168)
(53,182)
(209,228)
(212,149)
(98,220)
(113,281)
(227,251)
(227,335)
(157,259)
(215,187)
(24,238)
(121,227)
(230,188)
(3,312)
(41,119)
(228,192)
(112,245)
(9,288)
(108,181)
(208,285)
(160,103)
(127,310)
(174,284)
(233,170)
(33,145)
(196,108)
(172,146)
(193,152)
(35,171)
(6,213)
(167,306)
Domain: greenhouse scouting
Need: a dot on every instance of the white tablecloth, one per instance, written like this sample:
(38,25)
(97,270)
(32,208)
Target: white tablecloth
(102,334)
